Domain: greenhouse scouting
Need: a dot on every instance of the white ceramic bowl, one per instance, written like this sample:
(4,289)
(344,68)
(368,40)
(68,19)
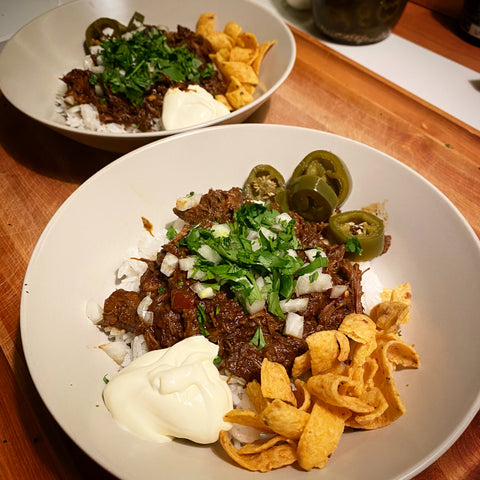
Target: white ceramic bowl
(76,257)
(34,59)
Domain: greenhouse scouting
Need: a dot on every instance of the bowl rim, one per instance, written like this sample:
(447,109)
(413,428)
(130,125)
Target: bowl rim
(230,118)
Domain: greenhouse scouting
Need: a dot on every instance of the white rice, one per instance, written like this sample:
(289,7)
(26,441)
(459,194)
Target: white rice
(85,117)
(122,346)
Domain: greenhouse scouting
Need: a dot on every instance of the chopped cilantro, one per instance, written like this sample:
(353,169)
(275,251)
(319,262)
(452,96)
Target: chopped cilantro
(318,262)
(171,232)
(258,245)
(161,290)
(93,80)
(313,276)
(202,319)
(353,245)
(258,339)
(134,64)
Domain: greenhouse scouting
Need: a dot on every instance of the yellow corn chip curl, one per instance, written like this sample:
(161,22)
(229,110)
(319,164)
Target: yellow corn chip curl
(321,435)
(347,381)
(237,55)
(275,382)
(276,454)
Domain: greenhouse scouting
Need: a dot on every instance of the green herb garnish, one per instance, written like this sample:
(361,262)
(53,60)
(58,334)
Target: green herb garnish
(353,245)
(137,62)
(171,232)
(258,340)
(258,245)
(202,319)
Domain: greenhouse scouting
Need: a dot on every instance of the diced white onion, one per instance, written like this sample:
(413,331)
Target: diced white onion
(256,245)
(294,325)
(305,284)
(221,230)
(148,317)
(203,291)
(338,291)
(186,263)
(313,252)
(94,311)
(267,233)
(131,267)
(94,49)
(88,63)
(294,305)
(178,224)
(255,307)
(260,281)
(169,264)
(116,332)
(148,247)
(142,308)
(280,222)
(259,304)
(187,202)
(207,292)
(70,100)
(209,254)
(197,275)
(97,68)
(196,287)
(108,31)
(116,350)
(252,235)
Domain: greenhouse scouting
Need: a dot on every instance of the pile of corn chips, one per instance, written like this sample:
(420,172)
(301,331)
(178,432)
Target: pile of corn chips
(345,379)
(238,57)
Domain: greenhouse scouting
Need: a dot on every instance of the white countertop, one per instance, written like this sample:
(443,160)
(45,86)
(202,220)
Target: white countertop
(448,85)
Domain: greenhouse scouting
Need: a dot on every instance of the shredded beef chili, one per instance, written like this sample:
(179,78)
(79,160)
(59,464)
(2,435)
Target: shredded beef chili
(116,108)
(175,305)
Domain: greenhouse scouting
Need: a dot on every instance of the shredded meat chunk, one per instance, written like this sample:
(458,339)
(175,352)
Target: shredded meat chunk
(217,205)
(175,305)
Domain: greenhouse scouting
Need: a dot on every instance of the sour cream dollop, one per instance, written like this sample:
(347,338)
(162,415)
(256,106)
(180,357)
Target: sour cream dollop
(184,108)
(173,392)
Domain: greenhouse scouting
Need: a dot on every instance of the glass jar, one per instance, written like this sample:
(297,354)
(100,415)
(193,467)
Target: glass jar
(469,22)
(357,22)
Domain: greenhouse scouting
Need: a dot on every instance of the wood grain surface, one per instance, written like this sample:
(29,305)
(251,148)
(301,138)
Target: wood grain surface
(39,169)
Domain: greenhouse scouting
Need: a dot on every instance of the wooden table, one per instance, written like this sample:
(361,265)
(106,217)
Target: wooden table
(39,169)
